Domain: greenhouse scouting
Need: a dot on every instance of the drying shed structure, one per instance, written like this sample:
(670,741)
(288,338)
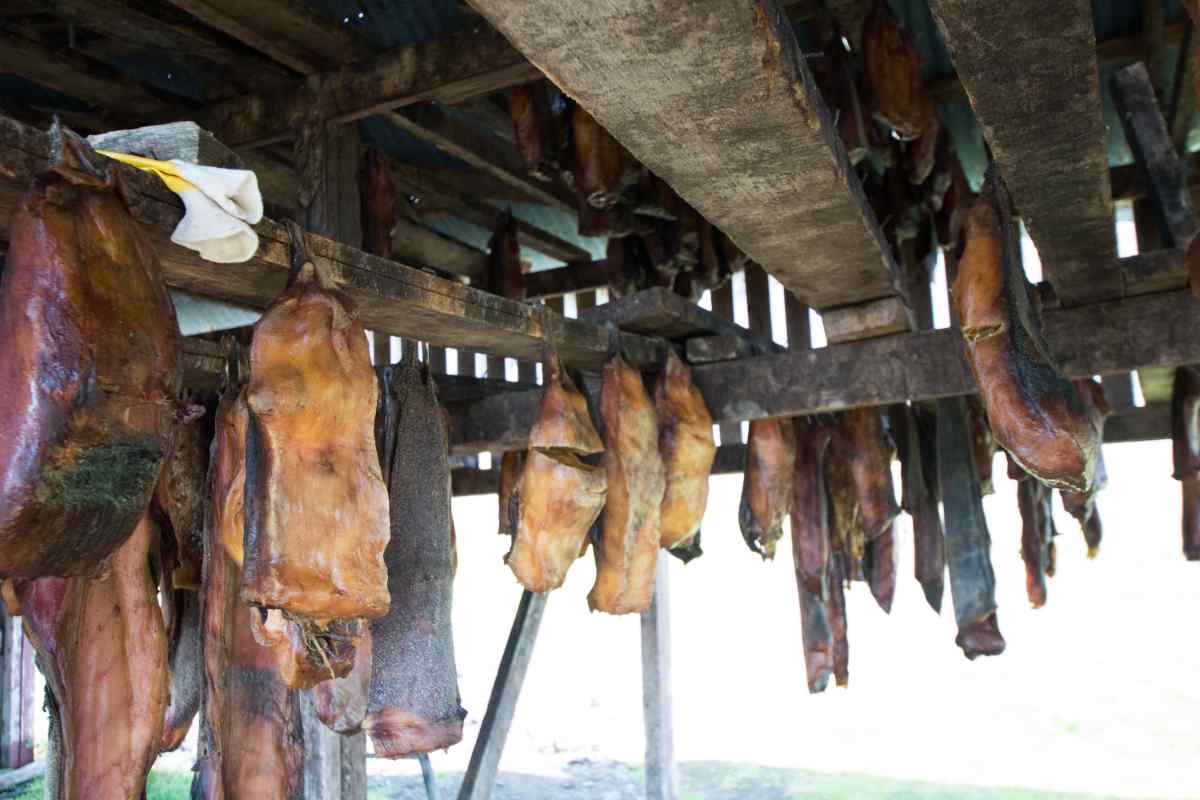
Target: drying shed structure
(741,143)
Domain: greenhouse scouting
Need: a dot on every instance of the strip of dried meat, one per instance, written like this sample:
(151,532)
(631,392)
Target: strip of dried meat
(862,439)
(685,442)
(1185,437)
(836,609)
(102,646)
(89,368)
(413,705)
(378,202)
(916,436)
(558,495)
(341,703)
(1037,535)
(316,505)
(183,628)
(511,465)
(180,496)
(1082,505)
(893,67)
(627,548)
(968,545)
(810,548)
(505,276)
(767,484)
(1035,413)
(597,154)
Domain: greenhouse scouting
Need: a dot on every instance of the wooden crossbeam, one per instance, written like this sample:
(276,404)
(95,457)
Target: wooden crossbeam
(446,69)
(1032,75)
(725,111)
(391,297)
(1101,338)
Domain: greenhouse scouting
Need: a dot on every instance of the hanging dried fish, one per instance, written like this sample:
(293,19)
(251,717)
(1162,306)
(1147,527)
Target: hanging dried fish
(505,276)
(1185,437)
(836,609)
(627,548)
(1035,413)
(414,702)
(316,505)
(1082,505)
(879,565)
(846,533)
(558,496)
(863,440)
(685,442)
(920,156)
(250,741)
(101,644)
(810,548)
(537,127)
(1034,502)
(341,703)
(511,465)
(181,609)
(90,371)
(916,436)
(968,545)
(893,67)
(597,161)
(767,484)
(983,444)
(378,202)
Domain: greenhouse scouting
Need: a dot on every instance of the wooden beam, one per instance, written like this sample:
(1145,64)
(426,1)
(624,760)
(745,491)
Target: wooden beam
(881,317)
(422,247)
(726,112)
(1101,338)
(493,731)
(391,297)
(661,779)
(574,277)
(1031,71)
(661,312)
(1145,424)
(447,69)
(1154,153)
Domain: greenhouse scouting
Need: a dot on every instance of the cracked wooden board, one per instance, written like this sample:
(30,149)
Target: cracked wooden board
(715,98)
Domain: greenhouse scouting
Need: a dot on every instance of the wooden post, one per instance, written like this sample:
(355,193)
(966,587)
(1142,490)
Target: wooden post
(661,779)
(16,697)
(335,767)
(485,758)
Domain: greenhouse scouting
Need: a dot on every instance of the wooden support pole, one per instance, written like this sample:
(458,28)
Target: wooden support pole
(1154,152)
(502,704)
(722,306)
(661,779)
(16,695)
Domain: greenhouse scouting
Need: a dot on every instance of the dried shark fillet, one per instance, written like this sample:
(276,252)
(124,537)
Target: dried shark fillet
(1082,505)
(836,610)
(685,442)
(250,742)
(880,567)
(810,548)
(511,465)
(537,127)
(1034,502)
(316,504)
(983,444)
(767,484)
(893,67)
(558,495)
(1035,413)
(597,155)
(378,202)
(627,548)
(504,275)
(184,635)
(1185,436)
(102,646)
(180,496)
(862,439)
(968,545)
(413,704)
(846,534)
(916,437)
(341,703)
(90,370)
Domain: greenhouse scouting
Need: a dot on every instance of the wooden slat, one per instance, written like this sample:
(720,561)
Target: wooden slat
(392,298)
(1148,331)
(865,320)
(722,307)
(445,69)
(661,312)
(422,247)
(1154,152)
(1031,71)
(493,731)
(727,113)
(574,277)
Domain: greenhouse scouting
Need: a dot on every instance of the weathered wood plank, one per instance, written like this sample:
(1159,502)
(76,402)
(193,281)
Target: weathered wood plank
(707,349)
(422,247)
(1147,331)
(574,277)
(661,312)
(446,69)
(1148,423)
(727,113)
(485,758)
(1154,153)
(866,320)
(393,298)
(1031,72)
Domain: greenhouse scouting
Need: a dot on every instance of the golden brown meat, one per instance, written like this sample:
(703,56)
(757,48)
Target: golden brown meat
(316,505)
(893,67)
(767,484)
(250,743)
(378,199)
(1082,505)
(90,371)
(536,110)
(685,442)
(1034,502)
(511,464)
(341,703)
(101,645)
(1185,437)
(558,495)
(306,654)
(413,705)
(1034,412)
(597,161)
(861,439)
(180,496)
(627,548)
(846,533)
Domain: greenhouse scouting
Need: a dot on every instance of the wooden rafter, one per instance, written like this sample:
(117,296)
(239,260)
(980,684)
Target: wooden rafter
(727,113)
(1031,71)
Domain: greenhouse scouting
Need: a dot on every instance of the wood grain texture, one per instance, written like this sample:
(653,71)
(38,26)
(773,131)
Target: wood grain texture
(715,98)
(392,297)
(1102,338)
(661,312)
(1030,70)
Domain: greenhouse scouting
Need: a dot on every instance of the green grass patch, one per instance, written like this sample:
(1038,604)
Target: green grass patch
(163,785)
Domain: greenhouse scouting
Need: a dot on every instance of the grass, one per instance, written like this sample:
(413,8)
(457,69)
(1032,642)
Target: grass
(163,785)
